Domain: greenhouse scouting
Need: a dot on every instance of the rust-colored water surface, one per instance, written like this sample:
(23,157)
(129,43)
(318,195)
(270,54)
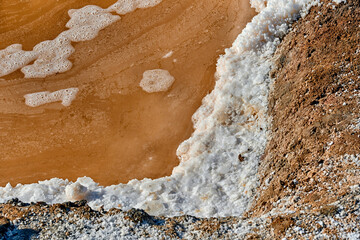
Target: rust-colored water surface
(113,131)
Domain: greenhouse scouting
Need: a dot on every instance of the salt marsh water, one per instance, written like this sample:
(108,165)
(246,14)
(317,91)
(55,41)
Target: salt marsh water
(113,131)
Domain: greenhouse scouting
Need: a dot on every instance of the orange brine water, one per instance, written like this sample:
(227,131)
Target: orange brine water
(114,130)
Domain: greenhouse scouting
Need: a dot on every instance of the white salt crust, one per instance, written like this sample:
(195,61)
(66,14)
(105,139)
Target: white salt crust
(258,4)
(210,180)
(156,80)
(51,56)
(66,96)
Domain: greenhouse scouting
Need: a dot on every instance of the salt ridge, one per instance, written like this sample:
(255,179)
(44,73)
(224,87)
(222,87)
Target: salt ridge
(210,180)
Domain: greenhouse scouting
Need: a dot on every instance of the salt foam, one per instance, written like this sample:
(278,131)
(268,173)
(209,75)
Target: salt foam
(156,80)
(13,58)
(66,96)
(122,7)
(51,56)
(86,23)
(210,180)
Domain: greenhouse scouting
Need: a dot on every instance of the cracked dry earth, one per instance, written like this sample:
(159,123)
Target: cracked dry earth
(309,175)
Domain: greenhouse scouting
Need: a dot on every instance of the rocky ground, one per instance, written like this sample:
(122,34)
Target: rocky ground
(309,174)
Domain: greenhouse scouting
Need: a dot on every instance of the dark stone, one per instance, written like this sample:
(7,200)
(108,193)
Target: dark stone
(329,210)
(81,203)
(139,216)
(4,224)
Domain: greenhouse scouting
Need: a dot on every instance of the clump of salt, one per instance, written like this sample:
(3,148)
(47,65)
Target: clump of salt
(169,54)
(86,22)
(156,80)
(258,4)
(52,58)
(76,192)
(122,7)
(13,58)
(66,96)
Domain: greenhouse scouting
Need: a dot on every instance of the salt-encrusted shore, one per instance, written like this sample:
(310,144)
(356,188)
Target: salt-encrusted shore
(217,175)
(308,185)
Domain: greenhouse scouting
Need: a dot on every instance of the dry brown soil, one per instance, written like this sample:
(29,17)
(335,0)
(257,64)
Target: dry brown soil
(314,105)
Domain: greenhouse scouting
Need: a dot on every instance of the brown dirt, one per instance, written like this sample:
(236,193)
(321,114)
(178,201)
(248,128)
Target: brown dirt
(113,131)
(280,224)
(314,101)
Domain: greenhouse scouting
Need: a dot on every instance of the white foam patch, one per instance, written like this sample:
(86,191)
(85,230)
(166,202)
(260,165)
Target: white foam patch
(66,96)
(156,80)
(52,58)
(13,57)
(210,180)
(147,3)
(86,22)
(122,7)
(52,55)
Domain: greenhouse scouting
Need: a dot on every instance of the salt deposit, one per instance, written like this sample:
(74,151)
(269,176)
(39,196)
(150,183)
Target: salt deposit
(76,191)
(85,23)
(13,58)
(66,96)
(52,56)
(169,54)
(258,4)
(210,180)
(156,80)
(122,7)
